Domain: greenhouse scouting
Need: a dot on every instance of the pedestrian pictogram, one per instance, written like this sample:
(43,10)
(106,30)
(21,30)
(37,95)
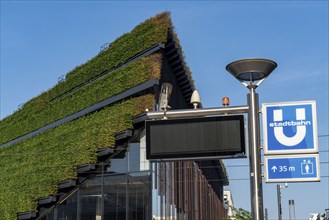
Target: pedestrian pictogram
(307,167)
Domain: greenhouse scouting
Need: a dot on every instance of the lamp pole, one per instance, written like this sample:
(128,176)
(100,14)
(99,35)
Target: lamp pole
(278,191)
(256,189)
(292,210)
(251,73)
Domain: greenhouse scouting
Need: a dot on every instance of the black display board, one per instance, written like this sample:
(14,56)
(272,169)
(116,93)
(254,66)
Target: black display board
(195,138)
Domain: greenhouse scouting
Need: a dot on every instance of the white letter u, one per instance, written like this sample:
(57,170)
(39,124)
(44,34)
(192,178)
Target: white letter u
(300,133)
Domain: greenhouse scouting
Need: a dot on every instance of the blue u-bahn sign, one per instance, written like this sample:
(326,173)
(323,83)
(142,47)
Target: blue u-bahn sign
(290,127)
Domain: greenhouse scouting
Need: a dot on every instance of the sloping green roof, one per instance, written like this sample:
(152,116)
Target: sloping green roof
(32,168)
(144,36)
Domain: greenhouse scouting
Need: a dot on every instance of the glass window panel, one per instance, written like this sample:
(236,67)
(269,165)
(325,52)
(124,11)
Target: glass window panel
(139,197)
(67,210)
(50,216)
(134,157)
(119,164)
(115,197)
(90,199)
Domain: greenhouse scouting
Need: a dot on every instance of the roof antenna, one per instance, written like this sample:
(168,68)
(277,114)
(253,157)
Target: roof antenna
(195,99)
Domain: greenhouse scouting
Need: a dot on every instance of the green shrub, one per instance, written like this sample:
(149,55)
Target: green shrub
(112,84)
(32,168)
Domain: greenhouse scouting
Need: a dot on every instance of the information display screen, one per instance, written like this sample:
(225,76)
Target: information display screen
(195,138)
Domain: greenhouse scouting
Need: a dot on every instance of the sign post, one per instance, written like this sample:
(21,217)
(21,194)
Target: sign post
(290,143)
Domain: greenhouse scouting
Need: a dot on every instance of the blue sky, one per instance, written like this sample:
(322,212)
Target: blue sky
(42,40)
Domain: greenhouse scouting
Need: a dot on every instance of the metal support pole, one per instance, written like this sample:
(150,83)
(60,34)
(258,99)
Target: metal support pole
(278,192)
(292,210)
(197,112)
(78,205)
(102,189)
(256,191)
(266,214)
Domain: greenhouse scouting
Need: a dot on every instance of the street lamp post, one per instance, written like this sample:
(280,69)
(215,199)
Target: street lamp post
(251,73)
(278,192)
(292,210)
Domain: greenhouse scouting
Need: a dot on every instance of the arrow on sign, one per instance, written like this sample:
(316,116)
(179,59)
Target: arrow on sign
(274,168)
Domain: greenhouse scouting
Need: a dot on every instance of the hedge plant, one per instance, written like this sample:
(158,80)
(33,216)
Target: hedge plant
(142,37)
(32,168)
(112,84)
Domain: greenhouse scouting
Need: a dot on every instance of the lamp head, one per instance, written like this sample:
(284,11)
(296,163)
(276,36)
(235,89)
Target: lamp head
(253,69)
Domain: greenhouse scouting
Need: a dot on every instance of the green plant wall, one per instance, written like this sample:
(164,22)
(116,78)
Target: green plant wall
(149,33)
(32,168)
(112,84)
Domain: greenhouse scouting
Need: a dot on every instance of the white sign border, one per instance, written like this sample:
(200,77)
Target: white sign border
(314,125)
(292,180)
